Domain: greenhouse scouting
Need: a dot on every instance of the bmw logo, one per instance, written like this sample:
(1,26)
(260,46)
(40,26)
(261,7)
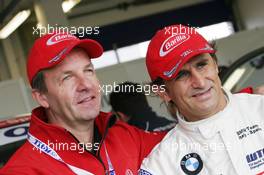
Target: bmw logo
(191,164)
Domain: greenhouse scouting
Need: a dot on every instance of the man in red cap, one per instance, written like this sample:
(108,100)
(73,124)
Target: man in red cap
(68,134)
(217,132)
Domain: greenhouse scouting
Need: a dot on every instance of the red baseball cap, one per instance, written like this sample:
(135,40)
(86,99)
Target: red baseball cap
(50,49)
(171,48)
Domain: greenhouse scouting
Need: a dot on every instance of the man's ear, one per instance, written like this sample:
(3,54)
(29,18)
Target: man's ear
(40,98)
(163,93)
(217,69)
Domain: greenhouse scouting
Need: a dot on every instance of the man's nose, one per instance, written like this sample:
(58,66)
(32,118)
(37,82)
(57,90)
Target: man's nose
(83,83)
(197,79)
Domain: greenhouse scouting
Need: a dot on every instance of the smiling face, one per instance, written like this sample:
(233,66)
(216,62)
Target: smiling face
(72,95)
(196,90)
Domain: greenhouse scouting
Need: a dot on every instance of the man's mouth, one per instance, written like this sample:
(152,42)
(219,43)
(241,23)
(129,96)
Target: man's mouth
(86,99)
(203,94)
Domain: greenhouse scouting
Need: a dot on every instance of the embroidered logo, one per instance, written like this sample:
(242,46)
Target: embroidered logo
(191,164)
(173,70)
(144,172)
(58,38)
(171,43)
(57,57)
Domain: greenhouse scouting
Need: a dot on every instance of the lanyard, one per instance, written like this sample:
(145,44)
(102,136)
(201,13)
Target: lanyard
(52,153)
(110,166)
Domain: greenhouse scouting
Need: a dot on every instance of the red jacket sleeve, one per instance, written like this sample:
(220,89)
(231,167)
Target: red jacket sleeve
(147,141)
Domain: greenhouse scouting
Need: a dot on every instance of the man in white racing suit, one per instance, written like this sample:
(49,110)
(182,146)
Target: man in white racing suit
(218,133)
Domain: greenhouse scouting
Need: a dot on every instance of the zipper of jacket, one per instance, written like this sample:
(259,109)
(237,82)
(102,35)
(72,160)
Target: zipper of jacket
(97,155)
(99,150)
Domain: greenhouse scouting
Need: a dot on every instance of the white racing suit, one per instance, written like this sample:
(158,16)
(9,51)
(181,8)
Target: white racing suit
(229,143)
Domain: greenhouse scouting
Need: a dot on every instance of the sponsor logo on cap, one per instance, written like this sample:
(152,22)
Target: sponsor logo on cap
(57,57)
(172,71)
(58,38)
(172,42)
(206,47)
(186,53)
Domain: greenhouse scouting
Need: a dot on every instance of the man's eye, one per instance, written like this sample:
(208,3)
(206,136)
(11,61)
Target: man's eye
(89,70)
(201,64)
(67,77)
(181,75)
